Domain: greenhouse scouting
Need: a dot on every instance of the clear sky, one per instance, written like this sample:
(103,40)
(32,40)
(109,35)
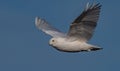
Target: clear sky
(25,48)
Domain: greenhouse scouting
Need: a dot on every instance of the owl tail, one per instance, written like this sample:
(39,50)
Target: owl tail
(95,48)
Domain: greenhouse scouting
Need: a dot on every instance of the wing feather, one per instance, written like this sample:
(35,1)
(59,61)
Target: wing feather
(48,29)
(83,26)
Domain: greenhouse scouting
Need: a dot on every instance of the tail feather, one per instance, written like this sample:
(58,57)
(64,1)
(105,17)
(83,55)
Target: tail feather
(95,48)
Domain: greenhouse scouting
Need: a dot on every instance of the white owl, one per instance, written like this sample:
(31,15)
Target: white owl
(81,30)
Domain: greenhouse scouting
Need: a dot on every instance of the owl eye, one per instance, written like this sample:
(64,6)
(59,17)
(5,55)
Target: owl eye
(53,40)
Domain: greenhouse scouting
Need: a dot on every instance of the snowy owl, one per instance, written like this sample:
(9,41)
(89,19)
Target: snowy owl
(81,30)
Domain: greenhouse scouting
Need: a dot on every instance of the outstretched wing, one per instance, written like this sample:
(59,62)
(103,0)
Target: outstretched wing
(48,29)
(83,26)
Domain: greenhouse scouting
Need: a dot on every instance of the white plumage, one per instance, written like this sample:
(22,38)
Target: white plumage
(81,30)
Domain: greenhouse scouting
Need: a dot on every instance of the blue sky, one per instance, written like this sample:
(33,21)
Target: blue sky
(25,48)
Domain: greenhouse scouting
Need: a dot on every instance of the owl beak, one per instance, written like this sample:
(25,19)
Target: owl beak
(50,44)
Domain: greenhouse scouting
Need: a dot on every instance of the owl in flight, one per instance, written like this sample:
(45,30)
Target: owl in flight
(80,31)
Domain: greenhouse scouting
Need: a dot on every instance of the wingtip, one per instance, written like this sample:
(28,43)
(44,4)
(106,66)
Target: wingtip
(97,5)
(87,6)
(93,5)
(37,21)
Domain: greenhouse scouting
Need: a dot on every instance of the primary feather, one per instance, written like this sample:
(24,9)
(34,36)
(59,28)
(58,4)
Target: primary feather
(83,26)
(48,29)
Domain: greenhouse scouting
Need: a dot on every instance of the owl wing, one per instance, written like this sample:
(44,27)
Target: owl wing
(48,29)
(84,25)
